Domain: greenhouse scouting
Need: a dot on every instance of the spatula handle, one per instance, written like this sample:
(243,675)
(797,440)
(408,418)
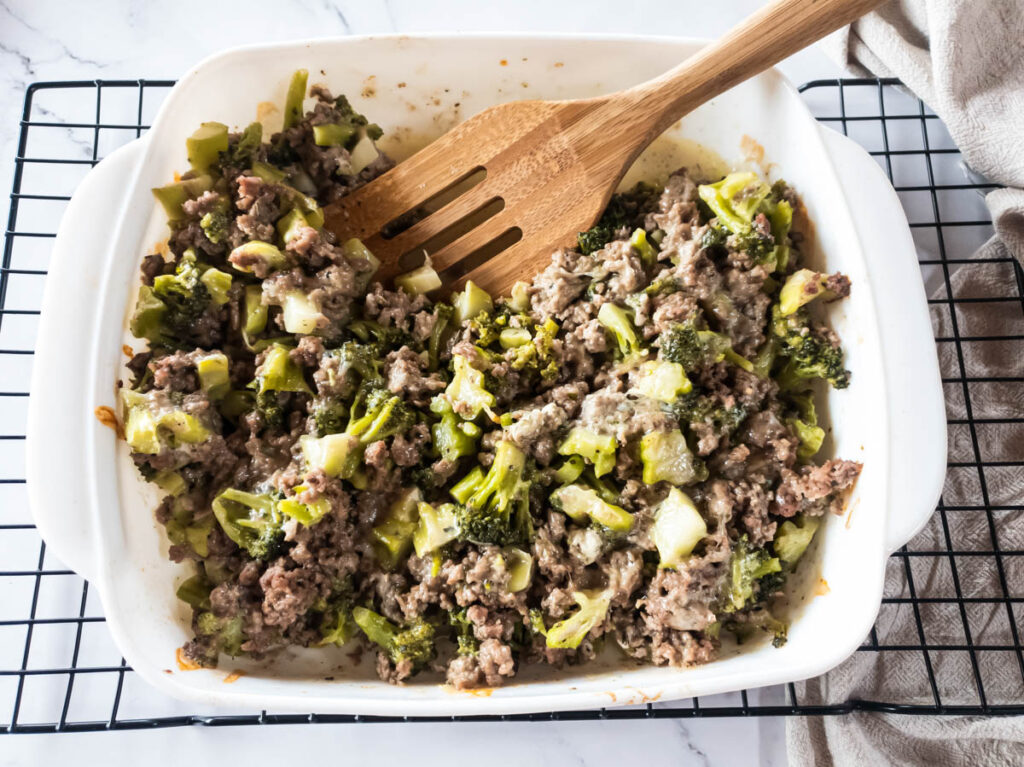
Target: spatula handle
(765,38)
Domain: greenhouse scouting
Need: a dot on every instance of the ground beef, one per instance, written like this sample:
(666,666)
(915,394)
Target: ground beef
(373,379)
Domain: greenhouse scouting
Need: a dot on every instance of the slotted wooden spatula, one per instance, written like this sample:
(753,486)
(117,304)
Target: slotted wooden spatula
(548,168)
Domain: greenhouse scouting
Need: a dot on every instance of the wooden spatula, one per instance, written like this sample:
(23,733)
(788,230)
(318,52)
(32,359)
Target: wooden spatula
(548,168)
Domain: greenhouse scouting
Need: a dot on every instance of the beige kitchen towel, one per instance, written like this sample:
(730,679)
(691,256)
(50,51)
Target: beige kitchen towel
(965,59)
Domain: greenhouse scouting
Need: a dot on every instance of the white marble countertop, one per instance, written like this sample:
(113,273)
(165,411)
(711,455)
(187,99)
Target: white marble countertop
(110,39)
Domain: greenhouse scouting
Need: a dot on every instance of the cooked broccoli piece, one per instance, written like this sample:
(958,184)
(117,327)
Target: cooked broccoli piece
(241,151)
(329,414)
(466,393)
(746,569)
(252,521)
(699,408)
(570,470)
(166,314)
(294,98)
(684,344)
(173,196)
(737,200)
(279,372)
(214,377)
(471,302)
(614,218)
(268,405)
(438,526)
(617,321)
(648,253)
(793,537)
(811,436)
(443,314)
(497,504)
(205,145)
(678,528)
(222,635)
(569,633)
(597,449)
(195,592)
(519,565)
(358,364)
(412,643)
(662,380)
(307,514)
(375,414)
(809,353)
(453,437)
(422,279)
(393,536)
(800,288)
(336,625)
(150,430)
(667,457)
(581,504)
(462,632)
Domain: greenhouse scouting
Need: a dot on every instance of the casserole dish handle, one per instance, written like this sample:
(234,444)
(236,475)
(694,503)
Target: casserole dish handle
(917,412)
(58,413)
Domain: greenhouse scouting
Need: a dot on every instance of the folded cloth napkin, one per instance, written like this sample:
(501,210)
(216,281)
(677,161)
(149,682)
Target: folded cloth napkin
(964,59)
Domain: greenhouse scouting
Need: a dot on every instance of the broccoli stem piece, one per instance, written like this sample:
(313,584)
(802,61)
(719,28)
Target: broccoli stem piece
(393,537)
(569,633)
(333,134)
(666,456)
(570,470)
(278,372)
(597,449)
(205,145)
(217,284)
(300,314)
(519,565)
(149,431)
(294,98)
(469,484)
(793,537)
(214,378)
(471,302)
(678,528)
(195,592)
(648,253)
(661,380)
(413,643)
(438,526)
(255,311)
(259,257)
(307,514)
(800,288)
(583,503)
(420,280)
(173,196)
(443,314)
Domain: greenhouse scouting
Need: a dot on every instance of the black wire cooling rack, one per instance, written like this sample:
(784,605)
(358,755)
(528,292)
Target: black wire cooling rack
(59,671)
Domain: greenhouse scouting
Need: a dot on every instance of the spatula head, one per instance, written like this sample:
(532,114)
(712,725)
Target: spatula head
(493,198)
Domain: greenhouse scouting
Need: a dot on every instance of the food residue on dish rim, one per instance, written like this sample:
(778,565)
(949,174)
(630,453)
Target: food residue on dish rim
(127,351)
(504,62)
(369,87)
(106,416)
(849,514)
(822,588)
(233,677)
(184,663)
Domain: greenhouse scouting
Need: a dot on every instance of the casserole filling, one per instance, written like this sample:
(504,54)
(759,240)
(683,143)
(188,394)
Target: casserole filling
(621,453)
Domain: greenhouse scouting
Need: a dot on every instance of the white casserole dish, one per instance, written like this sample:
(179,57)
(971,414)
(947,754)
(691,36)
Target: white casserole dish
(96,514)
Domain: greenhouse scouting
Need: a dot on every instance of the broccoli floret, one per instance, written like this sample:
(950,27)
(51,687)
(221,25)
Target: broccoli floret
(462,632)
(166,314)
(453,437)
(793,537)
(497,505)
(699,408)
(809,353)
(215,225)
(614,218)
(536,354)
(241,150)
(758,619)
(336,624)
(692,348)
(736,201)
(412,643)
(329,414)
(252,521)
(376,414)
(569,633)
(750,569)
(617,321)
(270,409)
(466,393)
(219,635)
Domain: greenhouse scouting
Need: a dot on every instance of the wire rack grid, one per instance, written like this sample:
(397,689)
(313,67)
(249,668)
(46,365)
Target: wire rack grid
(60,672)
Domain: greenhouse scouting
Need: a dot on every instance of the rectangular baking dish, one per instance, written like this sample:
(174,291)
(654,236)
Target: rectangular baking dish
(96,514)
